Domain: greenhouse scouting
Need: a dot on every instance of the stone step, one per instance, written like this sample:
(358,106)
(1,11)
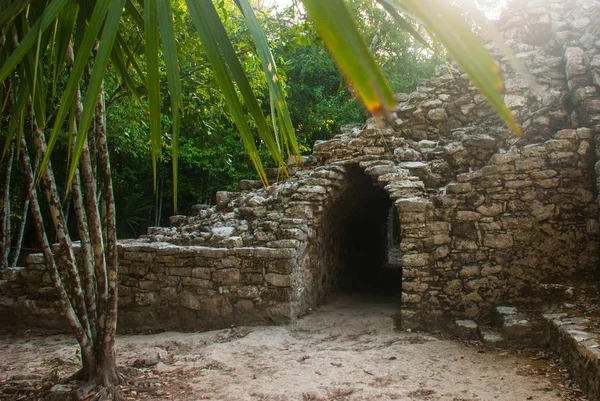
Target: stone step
(493,339)
(517,326)
(467,330)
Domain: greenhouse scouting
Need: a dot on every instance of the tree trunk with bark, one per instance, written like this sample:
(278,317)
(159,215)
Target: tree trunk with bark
(86,283)
(6,239)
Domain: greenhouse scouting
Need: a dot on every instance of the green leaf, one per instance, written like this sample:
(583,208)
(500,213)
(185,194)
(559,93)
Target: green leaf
(391,8)
(135,14)
(62,38)
(169,45)
(81,60)
(122,71)
(213,52)
(49,15)
(151,32)
(280,112)
(340,33)
(109,33)
(9,13)
(131,58)
(464,46)
(237,72)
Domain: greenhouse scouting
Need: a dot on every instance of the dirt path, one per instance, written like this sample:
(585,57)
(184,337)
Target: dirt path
(346,350)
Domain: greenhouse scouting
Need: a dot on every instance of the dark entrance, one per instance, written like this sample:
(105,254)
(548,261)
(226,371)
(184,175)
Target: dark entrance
(363,225)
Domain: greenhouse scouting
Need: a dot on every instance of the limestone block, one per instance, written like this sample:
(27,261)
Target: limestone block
(497,240)
(373,150)
(490,209)
(218,305)
(196,283)
(529,164)
(412,205)
(515,101)
(549,183)
(441,239)
(441,252)
(544,174)
(491,270)
(408,299)
(279,280)
(250,291)
(227,276)
(438,114)
(467,215)
(243,305)
(504,158)
(222,232)
(416,260)
(518,184)
(168,294)
(465,244)
(453,287)
(469,271)
(459,188)
(467,330)
(407,154)
(535,150)
(180,271)
(146,298)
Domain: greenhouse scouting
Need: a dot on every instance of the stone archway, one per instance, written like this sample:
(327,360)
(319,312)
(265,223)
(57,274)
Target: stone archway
(357,230)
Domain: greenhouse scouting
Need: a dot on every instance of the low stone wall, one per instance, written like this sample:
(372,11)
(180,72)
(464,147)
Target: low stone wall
(164,286)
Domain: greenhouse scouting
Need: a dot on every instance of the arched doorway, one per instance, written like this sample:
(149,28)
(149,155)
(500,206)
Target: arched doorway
(363,248)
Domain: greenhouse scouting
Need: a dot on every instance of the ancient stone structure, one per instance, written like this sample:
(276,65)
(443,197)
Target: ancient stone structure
(442,204)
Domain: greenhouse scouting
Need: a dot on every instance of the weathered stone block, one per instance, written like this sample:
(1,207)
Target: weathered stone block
(497,240)
(278,280)
(196,283)
(467,215)
(416,260)
(227,276)
(490,209)
(413,205)
(180,271)
(459,188)
(146,298)
(201,273)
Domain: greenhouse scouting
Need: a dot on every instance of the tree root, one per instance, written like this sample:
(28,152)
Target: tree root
(111,393)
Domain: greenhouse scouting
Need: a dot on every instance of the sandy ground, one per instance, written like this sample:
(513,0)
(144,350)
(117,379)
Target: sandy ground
(347,350)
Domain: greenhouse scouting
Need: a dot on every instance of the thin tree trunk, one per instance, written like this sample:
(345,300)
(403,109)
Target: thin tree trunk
(48,185)
(87,256)
(110,375)
(38,221)
(6,235)
(19,241)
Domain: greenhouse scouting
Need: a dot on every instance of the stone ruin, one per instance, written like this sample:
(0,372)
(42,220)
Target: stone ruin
(443,206)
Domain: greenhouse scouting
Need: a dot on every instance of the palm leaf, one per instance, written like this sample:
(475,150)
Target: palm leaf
(31,37)
(109,33)
(280,112)
(340,33)
(464,46)
(237,72)
(84,49)
(214,55)
(392,9)
(169,46)
(151,32)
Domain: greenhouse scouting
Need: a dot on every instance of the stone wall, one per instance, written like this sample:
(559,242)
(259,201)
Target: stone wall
(486,217)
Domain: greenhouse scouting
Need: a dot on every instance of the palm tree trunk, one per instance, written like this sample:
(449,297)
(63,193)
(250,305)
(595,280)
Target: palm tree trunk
(21,235)
(104,172)
(6,235)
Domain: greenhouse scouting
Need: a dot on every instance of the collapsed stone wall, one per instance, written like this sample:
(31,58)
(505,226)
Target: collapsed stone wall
(486,217)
